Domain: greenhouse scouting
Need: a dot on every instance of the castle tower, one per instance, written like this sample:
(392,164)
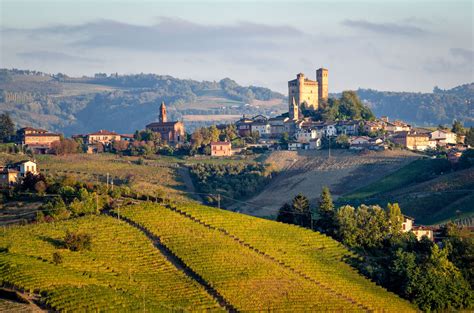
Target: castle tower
(302,91)
(322,78)
(162,117)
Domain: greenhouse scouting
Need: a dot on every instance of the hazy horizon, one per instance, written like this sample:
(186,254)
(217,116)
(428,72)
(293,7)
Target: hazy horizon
(394,46)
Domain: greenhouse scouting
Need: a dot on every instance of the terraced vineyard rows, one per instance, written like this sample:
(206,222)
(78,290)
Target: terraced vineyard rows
(262,265)
(122,272)
(312,255)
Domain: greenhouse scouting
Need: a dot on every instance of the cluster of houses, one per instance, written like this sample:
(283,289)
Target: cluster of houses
(302,132)
(306,134)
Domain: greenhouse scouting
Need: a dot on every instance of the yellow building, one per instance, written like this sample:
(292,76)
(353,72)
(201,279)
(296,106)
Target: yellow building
(104,137)
(308,92)
(322,78)
(221,148)
(38,140)
(301,90)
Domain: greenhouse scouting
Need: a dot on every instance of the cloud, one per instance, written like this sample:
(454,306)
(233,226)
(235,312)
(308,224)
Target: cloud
(465,55)
(385,28)
(463,62)
(169,35)
(47,56)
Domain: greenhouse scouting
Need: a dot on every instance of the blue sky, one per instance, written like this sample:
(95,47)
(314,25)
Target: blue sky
(385,45)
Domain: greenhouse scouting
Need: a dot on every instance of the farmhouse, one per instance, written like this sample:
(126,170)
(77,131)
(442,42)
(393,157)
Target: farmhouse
(38,140)
(171,132)
(413,141)
(418,230)
(104,137)
(8,177)
(221,148)
(443,137)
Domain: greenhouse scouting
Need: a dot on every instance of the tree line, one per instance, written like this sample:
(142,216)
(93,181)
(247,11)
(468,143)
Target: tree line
(434,276)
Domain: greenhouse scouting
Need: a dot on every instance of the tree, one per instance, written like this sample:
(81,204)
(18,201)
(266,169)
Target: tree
(57,258)
(325,222)
(300,205)
(7,128)
(470,137)
(285,214)
(65,146)
(347,225)
(395,218)
(434,283)
(458,128)
(76,241)
(56,209)
(342,141)
(40,187)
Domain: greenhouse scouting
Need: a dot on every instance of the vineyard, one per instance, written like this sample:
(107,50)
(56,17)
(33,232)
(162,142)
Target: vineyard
(122,271)
(188,257)
(257,264)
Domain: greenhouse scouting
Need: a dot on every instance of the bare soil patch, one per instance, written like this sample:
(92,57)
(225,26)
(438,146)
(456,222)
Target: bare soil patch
(309,171)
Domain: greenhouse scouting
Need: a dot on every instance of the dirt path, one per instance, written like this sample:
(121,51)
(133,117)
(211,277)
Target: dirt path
(178,263)
(309,171)
(183,172)
(13,300)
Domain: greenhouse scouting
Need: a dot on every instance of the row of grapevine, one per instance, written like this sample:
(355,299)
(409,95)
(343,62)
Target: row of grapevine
(246,279)
(310,253)
(122,271)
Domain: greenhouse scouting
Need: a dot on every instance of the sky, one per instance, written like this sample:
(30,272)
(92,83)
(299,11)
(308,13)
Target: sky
(385,45)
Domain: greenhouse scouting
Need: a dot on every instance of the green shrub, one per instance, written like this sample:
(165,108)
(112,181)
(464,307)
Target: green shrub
(76,241)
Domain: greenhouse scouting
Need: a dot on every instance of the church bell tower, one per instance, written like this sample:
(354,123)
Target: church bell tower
(162,117)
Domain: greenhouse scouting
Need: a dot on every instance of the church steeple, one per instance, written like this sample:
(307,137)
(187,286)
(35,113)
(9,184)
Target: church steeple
(162,117)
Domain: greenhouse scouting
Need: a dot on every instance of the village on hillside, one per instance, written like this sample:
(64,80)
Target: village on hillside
(301,128)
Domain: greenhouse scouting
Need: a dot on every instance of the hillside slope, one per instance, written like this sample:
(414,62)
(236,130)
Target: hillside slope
(218,260)
(125,103)
(308,172)
(423,191)
(438,107)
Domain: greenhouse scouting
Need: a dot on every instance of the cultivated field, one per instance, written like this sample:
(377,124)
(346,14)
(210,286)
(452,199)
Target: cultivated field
(123,271)
(309,171)
(257,265)
(150,178)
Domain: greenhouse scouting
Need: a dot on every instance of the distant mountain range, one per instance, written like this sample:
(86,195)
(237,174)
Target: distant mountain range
(124,103)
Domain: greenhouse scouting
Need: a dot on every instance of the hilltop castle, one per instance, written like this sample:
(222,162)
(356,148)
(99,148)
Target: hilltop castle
(171,132)
(308,92)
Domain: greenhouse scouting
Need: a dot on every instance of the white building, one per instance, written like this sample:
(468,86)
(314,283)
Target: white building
(330,130)
(443,137)
(26,166)
(305,135)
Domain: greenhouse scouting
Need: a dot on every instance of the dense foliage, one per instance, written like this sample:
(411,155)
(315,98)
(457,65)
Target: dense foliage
(433,278)
(347,107)
(7,127)
(235,181)
(438,107)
